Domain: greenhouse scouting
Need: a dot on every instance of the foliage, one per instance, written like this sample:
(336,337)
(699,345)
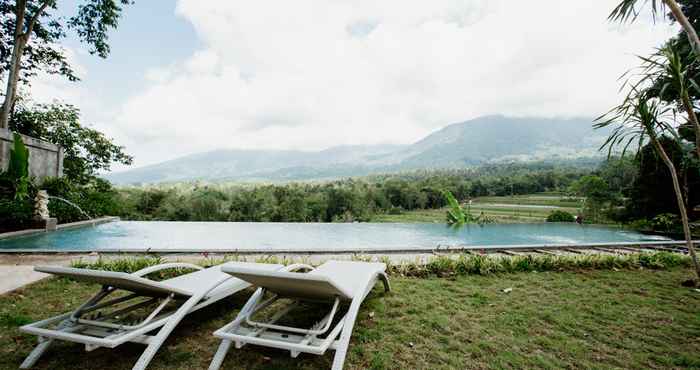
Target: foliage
(18,169)
(486,265)
(335,201)
(15,214)
(560,216)
(96,198)
(597,194)
(649,195)
(86,150)
(458,215)
(44,53)
(91,22)
(128,265)
(446,266)
(666,222)
(455,213)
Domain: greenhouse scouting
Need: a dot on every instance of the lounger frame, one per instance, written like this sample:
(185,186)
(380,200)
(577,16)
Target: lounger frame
(99,332)
(295,340)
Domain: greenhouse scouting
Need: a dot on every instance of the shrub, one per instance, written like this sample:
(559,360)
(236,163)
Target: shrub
(560,216)
(666,222)
(641,224)
(15,214)
(97,198)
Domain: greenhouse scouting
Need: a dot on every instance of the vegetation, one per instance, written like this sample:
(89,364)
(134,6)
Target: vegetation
(15,181)
(86,152)
(30,38)
(463,264)
(337,201)
(542,322)
(560,216)
(649,111)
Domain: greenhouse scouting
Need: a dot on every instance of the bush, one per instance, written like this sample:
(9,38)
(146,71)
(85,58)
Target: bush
(15,214)
(666,222)
(560,216)
(641,225)
(97,198)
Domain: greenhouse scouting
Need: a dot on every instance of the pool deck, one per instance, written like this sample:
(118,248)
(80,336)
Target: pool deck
(17,271)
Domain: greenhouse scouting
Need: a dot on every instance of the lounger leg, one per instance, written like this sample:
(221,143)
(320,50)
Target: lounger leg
(344,341)
(385,281)
(225,345)
(165,331)
(44,344)
(36,353)
(220,354)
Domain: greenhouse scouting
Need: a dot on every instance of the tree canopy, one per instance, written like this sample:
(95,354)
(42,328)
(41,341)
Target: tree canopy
(86,150)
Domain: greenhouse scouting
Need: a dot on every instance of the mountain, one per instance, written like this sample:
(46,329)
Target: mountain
(483,140)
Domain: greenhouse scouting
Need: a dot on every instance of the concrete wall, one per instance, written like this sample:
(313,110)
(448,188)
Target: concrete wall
(45,159)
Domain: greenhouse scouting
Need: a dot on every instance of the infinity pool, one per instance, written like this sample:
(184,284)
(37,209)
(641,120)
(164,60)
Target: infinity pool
(212,236)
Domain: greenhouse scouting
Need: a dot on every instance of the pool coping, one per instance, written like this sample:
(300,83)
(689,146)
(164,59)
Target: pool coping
(355,251)
(66,226)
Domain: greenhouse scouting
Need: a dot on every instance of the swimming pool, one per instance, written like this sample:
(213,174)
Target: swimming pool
(235,236)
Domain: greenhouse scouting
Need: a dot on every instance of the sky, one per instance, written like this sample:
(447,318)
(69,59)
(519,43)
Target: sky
(189,76)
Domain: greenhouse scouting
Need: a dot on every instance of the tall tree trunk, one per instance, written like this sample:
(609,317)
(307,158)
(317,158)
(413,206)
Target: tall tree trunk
(679,198)
(693,118)
(685,23)
(21,38)
(13,75)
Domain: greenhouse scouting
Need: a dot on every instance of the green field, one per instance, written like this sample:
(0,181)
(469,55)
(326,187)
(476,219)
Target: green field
(634,319)
(519,208)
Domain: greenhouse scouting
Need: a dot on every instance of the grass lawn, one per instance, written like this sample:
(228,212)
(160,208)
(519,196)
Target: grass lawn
(592,319)
(519,208)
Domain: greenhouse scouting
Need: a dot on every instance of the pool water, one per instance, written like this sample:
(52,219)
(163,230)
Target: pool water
(211,236)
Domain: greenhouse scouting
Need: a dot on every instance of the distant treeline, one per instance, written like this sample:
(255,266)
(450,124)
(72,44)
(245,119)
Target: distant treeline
(338,201)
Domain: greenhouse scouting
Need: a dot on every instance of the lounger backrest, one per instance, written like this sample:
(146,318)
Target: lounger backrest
(119,280)
(292,284)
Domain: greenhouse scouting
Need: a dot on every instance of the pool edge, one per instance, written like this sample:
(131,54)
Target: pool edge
(67,226)
(356,251)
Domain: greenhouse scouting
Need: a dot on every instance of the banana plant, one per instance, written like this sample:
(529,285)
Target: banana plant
(18,169)
(456,215)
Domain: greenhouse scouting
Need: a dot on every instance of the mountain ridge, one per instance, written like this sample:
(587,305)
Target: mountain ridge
(482,140)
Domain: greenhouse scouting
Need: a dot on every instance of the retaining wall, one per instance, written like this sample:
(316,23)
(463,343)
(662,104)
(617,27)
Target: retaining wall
(45,159)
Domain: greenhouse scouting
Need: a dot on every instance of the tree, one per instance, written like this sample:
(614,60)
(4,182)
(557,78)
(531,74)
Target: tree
(30,36)
(675,72)
(649,195)
(641,118)
(628,10)
(86,150)
(595,190)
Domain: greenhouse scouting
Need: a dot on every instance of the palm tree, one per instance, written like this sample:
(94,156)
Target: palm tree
(628,10)
(667,77)
(643,114)
(673,68)
(642,117)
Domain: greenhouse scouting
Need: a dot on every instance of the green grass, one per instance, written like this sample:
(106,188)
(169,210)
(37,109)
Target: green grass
(632,318)
(502,209)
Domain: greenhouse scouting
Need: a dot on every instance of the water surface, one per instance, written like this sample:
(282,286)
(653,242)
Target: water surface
(314,236)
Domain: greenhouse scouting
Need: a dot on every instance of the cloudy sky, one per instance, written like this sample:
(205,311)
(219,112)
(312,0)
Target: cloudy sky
(188,76)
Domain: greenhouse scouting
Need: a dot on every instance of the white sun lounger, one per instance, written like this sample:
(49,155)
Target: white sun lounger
(98,323)
(333,281)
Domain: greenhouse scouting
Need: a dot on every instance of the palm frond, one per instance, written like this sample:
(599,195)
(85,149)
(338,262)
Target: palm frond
(629,10)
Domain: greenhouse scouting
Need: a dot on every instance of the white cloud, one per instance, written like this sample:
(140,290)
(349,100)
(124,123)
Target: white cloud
(310,74)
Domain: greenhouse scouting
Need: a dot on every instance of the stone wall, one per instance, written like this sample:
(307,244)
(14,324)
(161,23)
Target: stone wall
(45,159)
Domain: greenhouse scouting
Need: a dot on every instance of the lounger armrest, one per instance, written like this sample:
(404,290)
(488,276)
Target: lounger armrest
(297,267)
(165,266)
